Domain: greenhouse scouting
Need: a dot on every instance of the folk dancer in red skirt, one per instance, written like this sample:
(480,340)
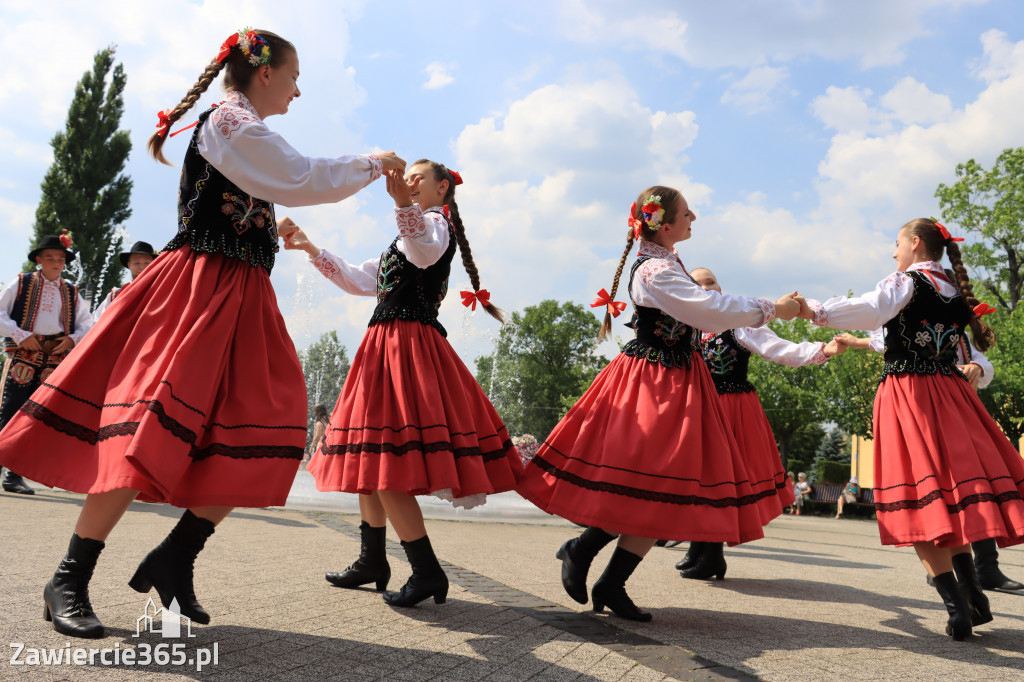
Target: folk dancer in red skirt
(727,355)
(411,419)
(945,475)
(648,452)
(161,401)
(135,260)
(42,317)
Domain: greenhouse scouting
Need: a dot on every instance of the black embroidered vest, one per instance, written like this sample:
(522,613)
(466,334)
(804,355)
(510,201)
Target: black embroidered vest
(26,305)
(728,362)
(925,336)
(215,216)
(659,336)
(406,292)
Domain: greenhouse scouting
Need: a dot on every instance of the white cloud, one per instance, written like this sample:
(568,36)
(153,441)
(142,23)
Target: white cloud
(846,109)
(912,102)
(752,93)
(438,75)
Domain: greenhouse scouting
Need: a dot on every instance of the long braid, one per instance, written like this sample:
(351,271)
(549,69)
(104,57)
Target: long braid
(983,336)
(467,255)
(156,140)
(606,326)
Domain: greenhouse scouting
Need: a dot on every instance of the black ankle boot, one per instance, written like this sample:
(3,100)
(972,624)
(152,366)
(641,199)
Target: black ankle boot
(957,606)
(427,579)
(610,588)
(693,553)
(13,483)
(986,560)
(66,596)
(168,567)
(577,555)
(963,566)
(371,566)
(711,562)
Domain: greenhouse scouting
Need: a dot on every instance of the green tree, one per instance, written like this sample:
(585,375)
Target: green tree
(85,190)
(990,204)
(802,446)
(325,365)
(849,391)
(544,359)
(1004,397)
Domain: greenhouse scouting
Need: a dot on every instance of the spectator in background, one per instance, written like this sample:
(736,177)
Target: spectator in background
(849,495)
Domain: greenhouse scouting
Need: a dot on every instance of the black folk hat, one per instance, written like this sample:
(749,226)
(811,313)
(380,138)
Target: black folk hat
(145,248)
(52,241)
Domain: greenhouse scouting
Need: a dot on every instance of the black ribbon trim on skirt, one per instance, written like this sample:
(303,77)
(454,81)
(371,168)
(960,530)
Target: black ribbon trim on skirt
(176,428)
(416,445)
(936,495)
(650,495)
(949,490)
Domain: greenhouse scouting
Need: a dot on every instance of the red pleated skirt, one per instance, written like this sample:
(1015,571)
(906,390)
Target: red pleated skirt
(760,453)
(188,390)
(412,418)
(944,472)
(647,451)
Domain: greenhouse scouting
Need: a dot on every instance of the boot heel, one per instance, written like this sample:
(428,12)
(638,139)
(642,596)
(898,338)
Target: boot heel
(598,607)
(720,575)
(139,582)
(46,613)
(442,596)
(382,584)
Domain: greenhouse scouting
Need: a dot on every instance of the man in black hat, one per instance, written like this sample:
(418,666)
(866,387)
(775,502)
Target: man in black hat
(42,317)
(136,260)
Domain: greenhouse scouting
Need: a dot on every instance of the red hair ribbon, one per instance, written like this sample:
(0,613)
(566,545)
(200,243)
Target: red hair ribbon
(469,298)
(456,176)
(983,309)
(945,233)
(225,47)
(604,299)
(637,225)
(162,122)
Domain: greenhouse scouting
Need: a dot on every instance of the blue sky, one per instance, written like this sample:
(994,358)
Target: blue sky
(802,132)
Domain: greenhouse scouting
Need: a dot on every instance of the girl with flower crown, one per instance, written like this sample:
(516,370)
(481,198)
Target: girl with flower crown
(160,401)
(945,475)
(647,452)
(727,355)
(411,419)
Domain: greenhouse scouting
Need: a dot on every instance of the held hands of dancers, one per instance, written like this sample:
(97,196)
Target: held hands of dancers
(400,190)
(789,306)
(847,340)
(391,161)
(294,238)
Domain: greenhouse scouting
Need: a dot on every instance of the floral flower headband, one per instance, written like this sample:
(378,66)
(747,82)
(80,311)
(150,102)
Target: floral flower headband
(255,48)
(653,213)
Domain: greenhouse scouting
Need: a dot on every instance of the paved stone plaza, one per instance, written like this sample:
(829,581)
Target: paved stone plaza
(817,599)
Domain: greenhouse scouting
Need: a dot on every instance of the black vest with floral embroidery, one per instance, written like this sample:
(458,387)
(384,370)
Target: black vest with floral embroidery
(216,216)
(728,362)
(26,305)
(406,292)
(924,337)
(659,336)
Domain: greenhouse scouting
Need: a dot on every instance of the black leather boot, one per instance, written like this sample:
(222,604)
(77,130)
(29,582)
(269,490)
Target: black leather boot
(957,606)
(693,553)
(371,566)
(963,566)
(986,559)
(13,483)
(66,596)
(427,579)
(577,554)
(711,562)
(169,566)
(610,588)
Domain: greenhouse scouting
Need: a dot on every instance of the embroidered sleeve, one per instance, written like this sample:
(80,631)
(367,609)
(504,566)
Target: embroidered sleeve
(265,166)
(868,311)
(424,243)
(410,221)
(820,318)
(228,119)
(768,308)
(83,320)
(376,167)
(771,346)
(978,358)
(8,327)
(876,341)
(358,280)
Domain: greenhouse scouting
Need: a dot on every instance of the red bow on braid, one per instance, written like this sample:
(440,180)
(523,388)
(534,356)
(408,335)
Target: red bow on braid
(983,309)
(456,176)
(604,299)
(637,225)
(469,298)
(162,122)
(225,47)
(945,233)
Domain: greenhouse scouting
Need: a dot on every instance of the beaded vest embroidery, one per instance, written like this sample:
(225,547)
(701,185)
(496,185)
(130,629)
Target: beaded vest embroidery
(659,337)
(216,216)
(26,305)
(728,362)
(924,337)
(406,292)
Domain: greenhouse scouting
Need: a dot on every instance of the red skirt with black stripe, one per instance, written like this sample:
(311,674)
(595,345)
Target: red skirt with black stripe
(411,418)
(188,390)
(944,472)
(648,451)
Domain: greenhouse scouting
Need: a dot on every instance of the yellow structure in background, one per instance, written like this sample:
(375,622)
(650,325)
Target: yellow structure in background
(862,460)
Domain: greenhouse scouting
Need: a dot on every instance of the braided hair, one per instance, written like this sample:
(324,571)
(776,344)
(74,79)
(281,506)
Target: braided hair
(442,173)
(238,74)
(670,202)
(934,242)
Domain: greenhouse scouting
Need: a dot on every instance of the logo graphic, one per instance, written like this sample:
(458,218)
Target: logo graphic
(163,621)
